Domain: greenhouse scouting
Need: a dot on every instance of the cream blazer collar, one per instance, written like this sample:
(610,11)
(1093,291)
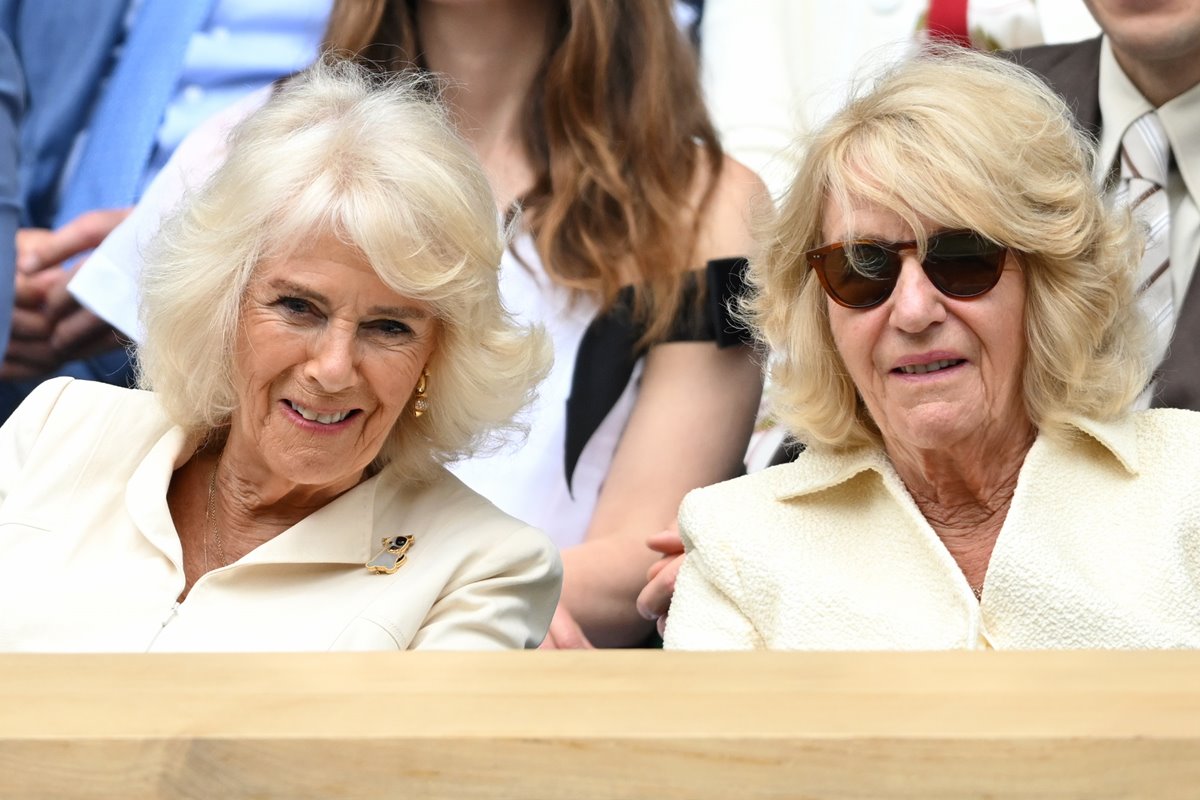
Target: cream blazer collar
(824,469)
(306,542)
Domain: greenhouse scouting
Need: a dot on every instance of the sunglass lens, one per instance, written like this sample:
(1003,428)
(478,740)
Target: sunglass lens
(963,264)
(861,274)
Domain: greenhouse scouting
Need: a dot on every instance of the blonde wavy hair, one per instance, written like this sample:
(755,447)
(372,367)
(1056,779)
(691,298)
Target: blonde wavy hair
(375,162)
(963,140)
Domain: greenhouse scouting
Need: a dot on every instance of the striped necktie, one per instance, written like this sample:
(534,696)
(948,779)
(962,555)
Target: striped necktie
(1145,160)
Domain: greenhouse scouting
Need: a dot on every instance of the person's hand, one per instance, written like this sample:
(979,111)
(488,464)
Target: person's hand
(29,242)
(29,349)
(78,333)
(30,288)
(565,633)
(654,601)
(49,327)
(39,249)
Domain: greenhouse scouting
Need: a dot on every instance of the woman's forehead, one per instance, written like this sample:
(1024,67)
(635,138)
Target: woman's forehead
(857,217)
(872,175)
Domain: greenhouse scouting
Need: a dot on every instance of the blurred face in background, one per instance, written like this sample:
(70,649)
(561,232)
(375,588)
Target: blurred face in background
(1153,36)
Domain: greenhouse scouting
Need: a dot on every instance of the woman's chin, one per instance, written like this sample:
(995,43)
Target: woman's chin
(312,469)
(935,427)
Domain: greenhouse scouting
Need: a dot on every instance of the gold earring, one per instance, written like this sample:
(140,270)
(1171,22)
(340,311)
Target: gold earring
(421,405)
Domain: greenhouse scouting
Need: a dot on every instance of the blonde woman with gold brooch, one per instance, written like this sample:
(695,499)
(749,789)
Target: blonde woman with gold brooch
(323,332)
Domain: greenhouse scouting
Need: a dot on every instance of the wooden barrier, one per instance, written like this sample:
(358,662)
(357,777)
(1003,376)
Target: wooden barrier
(602,725)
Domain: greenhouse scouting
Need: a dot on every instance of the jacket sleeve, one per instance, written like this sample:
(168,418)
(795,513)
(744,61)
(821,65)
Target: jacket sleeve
(501,599)
(704,614)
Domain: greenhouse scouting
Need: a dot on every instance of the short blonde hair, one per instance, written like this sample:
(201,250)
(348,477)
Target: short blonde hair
(964,140)
(375,162)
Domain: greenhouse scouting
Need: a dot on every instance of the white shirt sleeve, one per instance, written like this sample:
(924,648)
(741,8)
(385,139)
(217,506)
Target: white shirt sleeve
(107,284)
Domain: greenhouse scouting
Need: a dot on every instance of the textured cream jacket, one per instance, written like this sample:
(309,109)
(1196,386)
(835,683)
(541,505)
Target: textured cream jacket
(1100,548)
(90,559)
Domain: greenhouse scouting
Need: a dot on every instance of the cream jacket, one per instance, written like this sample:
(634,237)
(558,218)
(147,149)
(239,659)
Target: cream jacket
(90,559)
(1100,549)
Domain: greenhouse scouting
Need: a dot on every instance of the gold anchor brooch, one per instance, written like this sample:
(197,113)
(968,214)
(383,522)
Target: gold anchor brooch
(392,556)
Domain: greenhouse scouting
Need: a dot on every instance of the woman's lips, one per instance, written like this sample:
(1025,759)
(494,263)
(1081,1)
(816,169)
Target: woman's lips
(929,366)
(318,419)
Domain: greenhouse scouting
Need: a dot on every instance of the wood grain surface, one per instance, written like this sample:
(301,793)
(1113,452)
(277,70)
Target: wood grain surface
(618,724)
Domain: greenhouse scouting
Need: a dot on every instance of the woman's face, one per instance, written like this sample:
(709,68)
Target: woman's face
(327,357)
(976,347)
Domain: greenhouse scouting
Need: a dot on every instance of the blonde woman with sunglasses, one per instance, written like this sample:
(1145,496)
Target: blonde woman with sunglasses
(951,306)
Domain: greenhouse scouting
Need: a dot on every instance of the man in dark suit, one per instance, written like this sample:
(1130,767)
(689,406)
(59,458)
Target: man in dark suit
(1147,60)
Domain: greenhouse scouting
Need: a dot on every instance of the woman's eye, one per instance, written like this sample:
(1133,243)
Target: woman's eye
(294,305)
(390,328)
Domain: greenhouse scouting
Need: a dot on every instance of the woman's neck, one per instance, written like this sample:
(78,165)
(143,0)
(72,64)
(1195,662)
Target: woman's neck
(1160,81)
(250,504)
(490,53)
(964,491)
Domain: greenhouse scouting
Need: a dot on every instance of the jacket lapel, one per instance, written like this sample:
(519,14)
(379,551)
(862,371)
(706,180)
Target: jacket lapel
(1073,71)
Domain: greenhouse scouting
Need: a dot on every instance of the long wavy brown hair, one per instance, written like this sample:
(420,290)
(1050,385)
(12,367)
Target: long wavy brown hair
(616,132)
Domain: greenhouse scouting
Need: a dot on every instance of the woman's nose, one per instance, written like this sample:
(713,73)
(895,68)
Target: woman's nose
(332,359)
(916,302)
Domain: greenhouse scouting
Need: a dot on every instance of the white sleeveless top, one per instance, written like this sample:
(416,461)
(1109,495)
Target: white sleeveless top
(528,479)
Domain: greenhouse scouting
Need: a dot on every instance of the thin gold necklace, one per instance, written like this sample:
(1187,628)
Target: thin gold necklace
(211,518)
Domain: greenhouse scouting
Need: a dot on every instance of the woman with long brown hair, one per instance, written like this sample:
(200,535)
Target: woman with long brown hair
(588,118)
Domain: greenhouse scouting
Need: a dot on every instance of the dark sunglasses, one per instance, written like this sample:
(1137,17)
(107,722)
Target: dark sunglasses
(862,273)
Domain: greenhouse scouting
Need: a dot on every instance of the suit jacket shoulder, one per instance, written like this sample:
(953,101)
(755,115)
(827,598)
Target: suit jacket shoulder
(1073,71)
(64,417)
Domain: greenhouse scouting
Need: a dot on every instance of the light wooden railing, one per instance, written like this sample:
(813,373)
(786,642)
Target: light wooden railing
(602,725)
